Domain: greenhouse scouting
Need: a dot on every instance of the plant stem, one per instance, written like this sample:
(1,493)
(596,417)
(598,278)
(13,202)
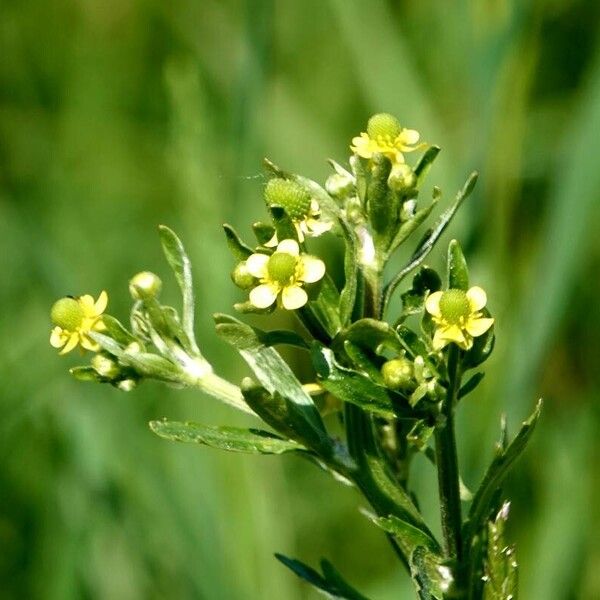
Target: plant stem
(223,390)
(373,292)
(448,474)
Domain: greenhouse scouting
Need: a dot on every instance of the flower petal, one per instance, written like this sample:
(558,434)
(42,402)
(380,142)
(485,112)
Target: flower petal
(272,243)
(361,145)
(313,269)
(264,295)
(257,265)
(477,327)
(289,247)
(453,333)
(439,341)
(432,304)
(87,303)
(477,298)
(88,344)
(293,297)
(317,227)
(73,341)
(58,337)
(101,303)
(409,136)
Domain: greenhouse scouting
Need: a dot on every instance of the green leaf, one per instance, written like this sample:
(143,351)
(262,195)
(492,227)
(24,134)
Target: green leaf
(333,576)
(325,308)
(501,569)
(284,226)
(373,334)
(264,232)
(431,237)
(424,164)
(408,227)
(180,263)
(471,384)
(408,535)
(354,387)
(424,282)
(116,331)
(86,374)
(331,582)
(351,274)
(365,361)
(497,471)
(271,370)
(239,250)
(458,274)
(233,439)
(276,412)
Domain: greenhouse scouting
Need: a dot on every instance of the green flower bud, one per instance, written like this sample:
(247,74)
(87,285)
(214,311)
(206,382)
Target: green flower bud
(384,125)
(289,195)
(398,374)
(133,348)
(145,285)
(402,179)
(105,366)
(67,313)
(242,278)
(339,186)
(126,385)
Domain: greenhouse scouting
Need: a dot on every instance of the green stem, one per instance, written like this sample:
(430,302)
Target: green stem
(448,473)
(373,292)
(223,390)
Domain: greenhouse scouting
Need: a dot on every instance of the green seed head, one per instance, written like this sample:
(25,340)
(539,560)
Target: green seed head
(455,306)
(384,125)
(289,195)
(282,267)
(398,374)
(67,313)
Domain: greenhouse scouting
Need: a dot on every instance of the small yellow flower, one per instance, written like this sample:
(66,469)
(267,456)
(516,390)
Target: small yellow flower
(75,318)
(457,316)
(304,211)
(282,275)
(386,136)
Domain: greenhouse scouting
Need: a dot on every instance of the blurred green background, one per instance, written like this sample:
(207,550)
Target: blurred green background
(118,115)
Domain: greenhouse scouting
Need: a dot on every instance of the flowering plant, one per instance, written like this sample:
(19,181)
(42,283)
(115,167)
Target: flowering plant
(393,380)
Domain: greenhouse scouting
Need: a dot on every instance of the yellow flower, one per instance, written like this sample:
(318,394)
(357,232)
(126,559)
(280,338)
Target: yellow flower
(75,318)
(282,275)
(304,211)
(386,136)
(457,316)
